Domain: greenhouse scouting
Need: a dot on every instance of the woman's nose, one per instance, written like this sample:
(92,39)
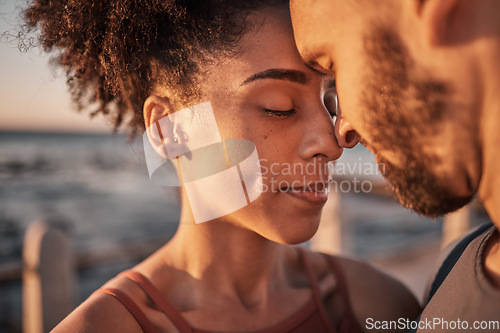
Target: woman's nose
(319,137)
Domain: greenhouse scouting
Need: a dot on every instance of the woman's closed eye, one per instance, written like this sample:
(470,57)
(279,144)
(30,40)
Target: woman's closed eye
(279,113)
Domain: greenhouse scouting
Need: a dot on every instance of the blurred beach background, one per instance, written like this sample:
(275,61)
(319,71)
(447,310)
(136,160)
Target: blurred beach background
(61,165)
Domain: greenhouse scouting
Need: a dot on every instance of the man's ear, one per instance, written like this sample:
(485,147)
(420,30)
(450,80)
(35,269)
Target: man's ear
(155,108)
(436,17)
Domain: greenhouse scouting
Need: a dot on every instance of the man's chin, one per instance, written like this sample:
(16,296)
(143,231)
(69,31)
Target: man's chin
(434,205)
(418,189)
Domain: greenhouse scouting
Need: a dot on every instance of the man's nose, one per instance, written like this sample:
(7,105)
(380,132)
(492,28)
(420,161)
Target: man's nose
(347,137)
(344,132)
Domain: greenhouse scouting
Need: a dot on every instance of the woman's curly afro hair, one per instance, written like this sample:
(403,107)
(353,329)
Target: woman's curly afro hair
(115,51)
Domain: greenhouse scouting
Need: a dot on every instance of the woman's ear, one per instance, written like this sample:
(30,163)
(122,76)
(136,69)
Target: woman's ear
(436,17)
(155,108)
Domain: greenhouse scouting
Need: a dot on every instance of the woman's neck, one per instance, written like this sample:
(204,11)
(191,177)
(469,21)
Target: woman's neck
(231,259)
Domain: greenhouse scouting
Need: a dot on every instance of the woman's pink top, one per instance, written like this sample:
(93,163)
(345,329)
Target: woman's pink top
(310,318)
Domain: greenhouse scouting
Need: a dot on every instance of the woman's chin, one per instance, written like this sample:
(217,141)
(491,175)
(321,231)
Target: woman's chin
(283,226)
(296,234)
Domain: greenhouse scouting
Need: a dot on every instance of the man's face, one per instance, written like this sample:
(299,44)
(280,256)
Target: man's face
(401,112)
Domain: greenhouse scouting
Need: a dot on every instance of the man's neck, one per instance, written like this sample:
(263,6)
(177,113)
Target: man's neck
(489,137)
(489,189)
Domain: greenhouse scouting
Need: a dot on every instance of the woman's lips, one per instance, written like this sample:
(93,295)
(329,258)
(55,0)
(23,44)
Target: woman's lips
(315,195)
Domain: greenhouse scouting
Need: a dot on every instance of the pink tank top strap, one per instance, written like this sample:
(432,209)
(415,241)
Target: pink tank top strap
(349,323)
(173,315)
(133,308)
(316,290)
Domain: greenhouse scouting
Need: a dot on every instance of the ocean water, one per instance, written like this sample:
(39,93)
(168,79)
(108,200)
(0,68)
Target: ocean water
(96,188)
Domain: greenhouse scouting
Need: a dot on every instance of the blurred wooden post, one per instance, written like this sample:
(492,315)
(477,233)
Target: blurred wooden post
(328,238)
(48,278)
(455,225)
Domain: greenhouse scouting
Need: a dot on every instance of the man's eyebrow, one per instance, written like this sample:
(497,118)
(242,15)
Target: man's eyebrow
(291,75)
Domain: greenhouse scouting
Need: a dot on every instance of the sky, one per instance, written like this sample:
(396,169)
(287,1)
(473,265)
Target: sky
(33,95)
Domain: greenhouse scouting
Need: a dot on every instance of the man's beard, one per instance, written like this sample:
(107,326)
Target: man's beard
(416,188)
(402,112)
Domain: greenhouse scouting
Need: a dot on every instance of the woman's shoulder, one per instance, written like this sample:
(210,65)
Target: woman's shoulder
(372,293)
(116,307)
(99,313)
(367,281)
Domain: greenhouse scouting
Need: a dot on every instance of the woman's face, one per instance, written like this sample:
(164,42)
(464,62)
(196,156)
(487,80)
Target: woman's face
(267,95)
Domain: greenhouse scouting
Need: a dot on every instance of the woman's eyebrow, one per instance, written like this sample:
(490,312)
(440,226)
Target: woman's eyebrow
(291,75)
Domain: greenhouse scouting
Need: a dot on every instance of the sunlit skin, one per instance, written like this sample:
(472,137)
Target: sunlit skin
(454,43)
(241,266)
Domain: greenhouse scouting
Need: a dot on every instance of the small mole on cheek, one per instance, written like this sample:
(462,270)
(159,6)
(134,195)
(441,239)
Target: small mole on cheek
(265,137)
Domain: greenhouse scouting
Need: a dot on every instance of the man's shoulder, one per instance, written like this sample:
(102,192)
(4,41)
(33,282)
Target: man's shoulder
(453,253)
(459,290)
